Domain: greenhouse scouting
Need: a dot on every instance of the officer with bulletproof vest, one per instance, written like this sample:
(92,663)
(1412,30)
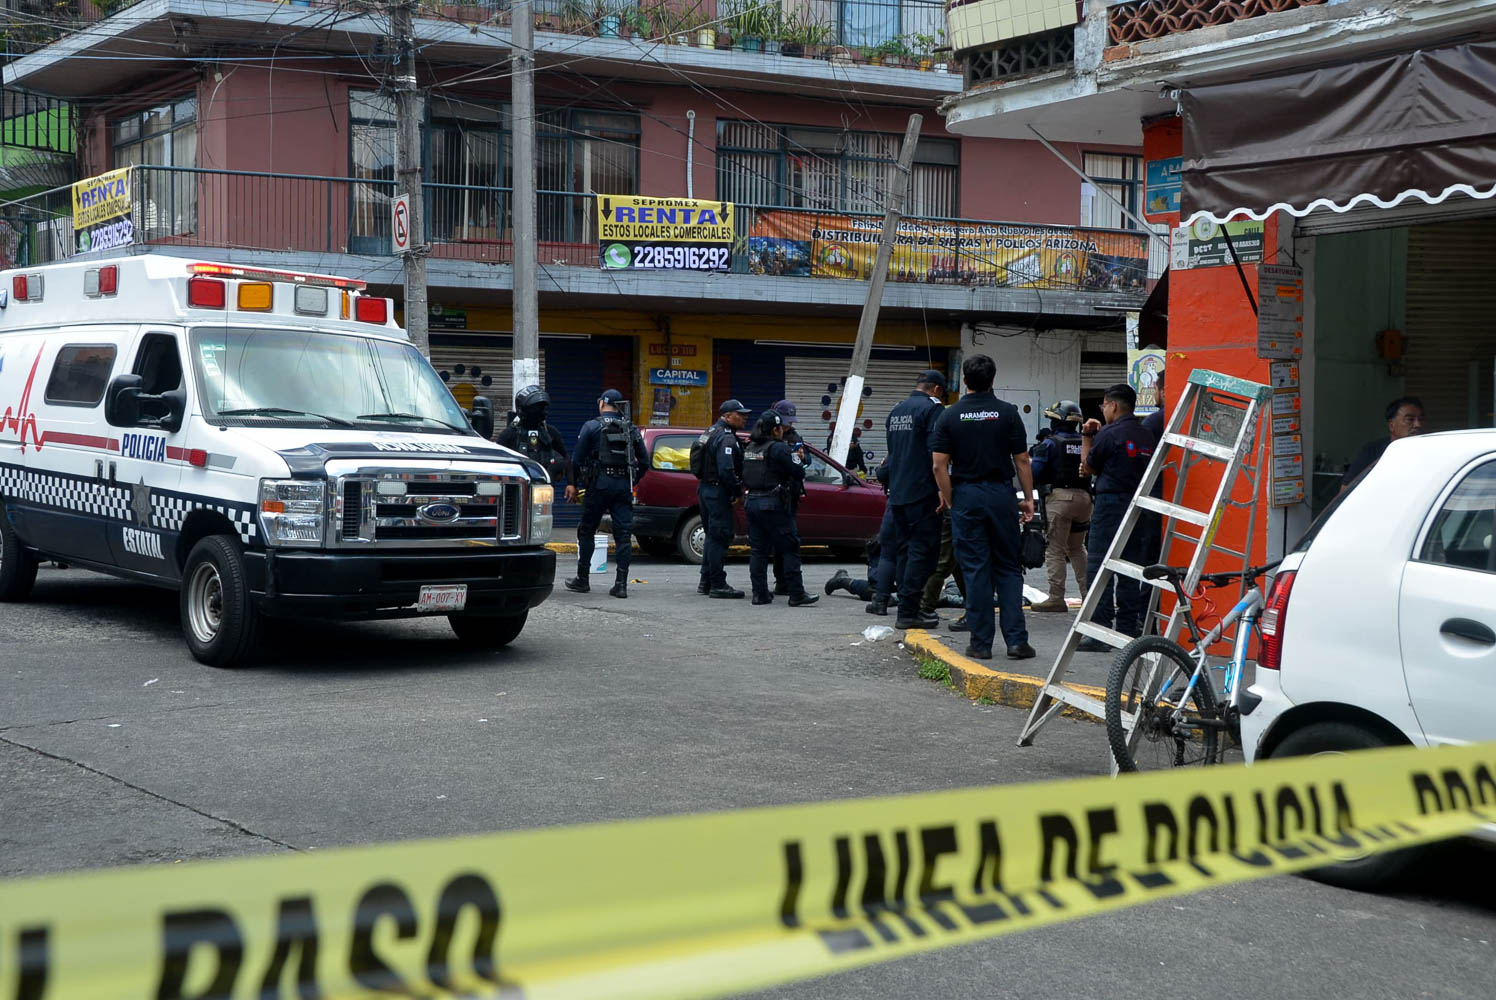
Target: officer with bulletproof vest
(1118,455)
(610,454)
(786,411)
(529,433)
(1056,465)
(912,495)
(772,474)
(717,461)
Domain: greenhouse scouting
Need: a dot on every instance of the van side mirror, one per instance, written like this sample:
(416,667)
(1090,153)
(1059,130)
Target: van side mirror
(174,403)
(481,417)
(122,401)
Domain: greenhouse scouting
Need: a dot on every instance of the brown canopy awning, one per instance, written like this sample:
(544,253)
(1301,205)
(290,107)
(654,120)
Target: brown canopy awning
(1418,124)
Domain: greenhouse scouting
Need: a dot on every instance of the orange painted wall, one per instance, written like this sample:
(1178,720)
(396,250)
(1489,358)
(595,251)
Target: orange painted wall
(1211,326)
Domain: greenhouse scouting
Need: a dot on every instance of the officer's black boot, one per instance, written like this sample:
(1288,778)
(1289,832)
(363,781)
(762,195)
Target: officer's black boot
(763,597)
(620,588)
(801,599)
(878,605)
(838,582)
(725,592)
(781,588)
(578,585)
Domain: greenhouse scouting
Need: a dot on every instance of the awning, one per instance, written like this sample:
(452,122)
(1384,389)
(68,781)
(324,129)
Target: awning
(1418,124)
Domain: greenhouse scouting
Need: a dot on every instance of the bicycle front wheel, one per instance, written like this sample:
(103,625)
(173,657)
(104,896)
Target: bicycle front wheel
(1151,722)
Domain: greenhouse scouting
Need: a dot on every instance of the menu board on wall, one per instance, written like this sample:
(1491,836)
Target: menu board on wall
(1280,312)
(1287,477)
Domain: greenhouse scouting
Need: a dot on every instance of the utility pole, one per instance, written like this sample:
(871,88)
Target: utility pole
(851,398)
(408,179)
(526,352)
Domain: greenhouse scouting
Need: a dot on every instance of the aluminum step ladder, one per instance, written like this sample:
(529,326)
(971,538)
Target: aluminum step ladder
(1228,420)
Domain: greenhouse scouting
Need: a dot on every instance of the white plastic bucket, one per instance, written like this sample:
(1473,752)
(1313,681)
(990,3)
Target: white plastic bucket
(599,553)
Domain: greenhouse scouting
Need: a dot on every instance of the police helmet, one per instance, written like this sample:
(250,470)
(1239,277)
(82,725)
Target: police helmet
(1065,411)
(529,396)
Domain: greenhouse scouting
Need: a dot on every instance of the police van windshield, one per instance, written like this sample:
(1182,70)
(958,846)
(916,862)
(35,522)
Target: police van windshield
(316,378)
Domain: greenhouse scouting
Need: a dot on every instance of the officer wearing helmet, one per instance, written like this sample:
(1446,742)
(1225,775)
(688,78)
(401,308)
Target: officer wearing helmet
(610,454)
(772,474)
(1056,463)
(529,433)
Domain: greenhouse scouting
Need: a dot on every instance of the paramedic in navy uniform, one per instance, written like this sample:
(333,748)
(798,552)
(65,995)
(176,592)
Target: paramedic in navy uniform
(979,446)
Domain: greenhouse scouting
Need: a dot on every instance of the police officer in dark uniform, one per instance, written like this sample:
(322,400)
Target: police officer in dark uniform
(772,474)
(912,495)
(1118,455)
(786,411)
(610,454)
(1067,506)
(980,446)
(530,434)
(885,560)
(721,486)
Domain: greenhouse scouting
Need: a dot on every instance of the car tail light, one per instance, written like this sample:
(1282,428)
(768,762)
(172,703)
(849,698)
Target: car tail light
(1274,619)
(371,310)
(206,293)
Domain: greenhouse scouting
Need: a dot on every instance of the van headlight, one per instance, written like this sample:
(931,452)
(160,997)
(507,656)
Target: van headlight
(293,511)
(542,497)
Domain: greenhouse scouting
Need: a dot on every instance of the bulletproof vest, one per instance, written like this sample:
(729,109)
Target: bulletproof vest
(536,443)
(613,444)
(703,461)
(758,473)
(1066,448)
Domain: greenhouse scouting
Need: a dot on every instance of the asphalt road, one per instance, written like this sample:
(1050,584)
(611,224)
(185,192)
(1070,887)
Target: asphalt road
(117,748)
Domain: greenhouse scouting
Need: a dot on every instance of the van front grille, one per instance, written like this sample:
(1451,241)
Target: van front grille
(353,507)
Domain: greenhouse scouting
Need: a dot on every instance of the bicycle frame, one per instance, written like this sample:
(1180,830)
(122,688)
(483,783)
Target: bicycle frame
(1248,611)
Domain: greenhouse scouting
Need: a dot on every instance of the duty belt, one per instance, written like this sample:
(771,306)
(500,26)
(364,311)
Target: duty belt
(773,491)
(617,471)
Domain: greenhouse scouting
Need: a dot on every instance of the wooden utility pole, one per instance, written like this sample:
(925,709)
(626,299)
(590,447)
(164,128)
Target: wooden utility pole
(851,398)
(526,352)
(408,178)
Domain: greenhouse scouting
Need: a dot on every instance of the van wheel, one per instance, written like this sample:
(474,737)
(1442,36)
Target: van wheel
(17,566)
(690,540)
(487,631)
(1373,871)
(219,618)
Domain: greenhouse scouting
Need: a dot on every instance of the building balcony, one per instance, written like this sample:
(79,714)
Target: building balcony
(782,259)
(1108,64)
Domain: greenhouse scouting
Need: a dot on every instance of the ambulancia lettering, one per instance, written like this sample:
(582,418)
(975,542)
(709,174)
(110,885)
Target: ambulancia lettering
(445,449)
(146,447)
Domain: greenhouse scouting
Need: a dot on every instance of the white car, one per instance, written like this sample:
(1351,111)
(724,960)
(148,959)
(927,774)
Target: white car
(1381,625)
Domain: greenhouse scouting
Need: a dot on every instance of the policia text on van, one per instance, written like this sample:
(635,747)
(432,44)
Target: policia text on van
(269,444)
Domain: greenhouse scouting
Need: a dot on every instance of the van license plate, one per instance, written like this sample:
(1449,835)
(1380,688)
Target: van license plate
(445,597)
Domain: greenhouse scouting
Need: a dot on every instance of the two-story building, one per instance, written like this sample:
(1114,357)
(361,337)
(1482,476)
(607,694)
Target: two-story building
(1349,146)
(264,132)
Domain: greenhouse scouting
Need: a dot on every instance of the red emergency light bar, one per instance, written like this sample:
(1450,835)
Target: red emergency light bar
(260,274)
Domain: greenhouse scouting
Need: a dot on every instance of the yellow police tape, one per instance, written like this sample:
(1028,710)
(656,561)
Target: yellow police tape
(722,903)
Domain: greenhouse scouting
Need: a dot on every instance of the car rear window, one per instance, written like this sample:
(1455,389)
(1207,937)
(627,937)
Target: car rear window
(1462,531)
(672,452)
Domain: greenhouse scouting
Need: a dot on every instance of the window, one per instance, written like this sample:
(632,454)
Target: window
(80,374)
(818,470)
(1462,530)
(162,141)
(794,167)
(587,152)
(372,134)
(866,23)
(1120,176)
(672,452)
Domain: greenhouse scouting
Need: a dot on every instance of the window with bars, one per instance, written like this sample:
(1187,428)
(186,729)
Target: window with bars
(163,136)
(469,170)
(792,166)
(865,23)
(1119,175)
(371,169)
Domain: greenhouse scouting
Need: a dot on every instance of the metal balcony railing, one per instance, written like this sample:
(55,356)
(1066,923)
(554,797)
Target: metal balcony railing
(242,210)
(1139,20)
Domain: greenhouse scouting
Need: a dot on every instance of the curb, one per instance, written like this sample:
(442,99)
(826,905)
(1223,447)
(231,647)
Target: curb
(975,681)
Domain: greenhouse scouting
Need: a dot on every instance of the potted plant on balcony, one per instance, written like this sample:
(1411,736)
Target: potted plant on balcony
(923,45)
(892,52)
(814,35)
(751,26)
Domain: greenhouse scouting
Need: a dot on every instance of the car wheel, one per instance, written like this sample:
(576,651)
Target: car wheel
(1333,739)
(690,540)
(17,566)
(487,631)
(219,618)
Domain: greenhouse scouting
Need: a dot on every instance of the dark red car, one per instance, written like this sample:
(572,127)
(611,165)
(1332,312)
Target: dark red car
(838,509)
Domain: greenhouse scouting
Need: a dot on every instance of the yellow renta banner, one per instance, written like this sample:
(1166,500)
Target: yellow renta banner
(99,199)
(636,233)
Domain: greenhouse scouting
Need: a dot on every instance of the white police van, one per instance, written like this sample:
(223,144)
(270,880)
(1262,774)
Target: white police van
(269,444)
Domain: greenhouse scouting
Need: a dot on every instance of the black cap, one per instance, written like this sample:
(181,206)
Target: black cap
(610,396)
(932,377)
(733,406)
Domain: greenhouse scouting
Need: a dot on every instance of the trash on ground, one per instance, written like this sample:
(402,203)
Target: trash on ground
(875,632)
(150,682)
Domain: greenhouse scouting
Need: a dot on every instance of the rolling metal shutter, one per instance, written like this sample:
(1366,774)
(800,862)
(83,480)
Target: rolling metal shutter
(813,384)
(494,361)
(1450,353)
(1099,367)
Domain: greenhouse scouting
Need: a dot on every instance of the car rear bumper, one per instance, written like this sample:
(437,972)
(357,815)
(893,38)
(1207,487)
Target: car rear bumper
(387,585)
(1257,722)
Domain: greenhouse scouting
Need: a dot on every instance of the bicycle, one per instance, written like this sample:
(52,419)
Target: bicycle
(1162,708)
